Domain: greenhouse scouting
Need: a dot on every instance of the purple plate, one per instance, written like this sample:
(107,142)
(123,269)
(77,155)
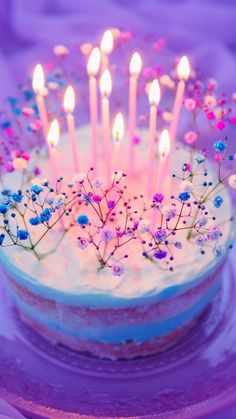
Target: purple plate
(195,378)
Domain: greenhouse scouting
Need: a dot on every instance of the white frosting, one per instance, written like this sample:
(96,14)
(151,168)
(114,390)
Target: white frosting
(73,271)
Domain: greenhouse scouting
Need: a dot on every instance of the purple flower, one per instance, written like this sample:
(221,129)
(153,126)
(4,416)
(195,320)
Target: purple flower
(111,204)
(97,198)
(178,245)
(107,234)
(160,254)
(214,234)
(82,243)
(160,234)
(158,198)
(117,269)
(200,240)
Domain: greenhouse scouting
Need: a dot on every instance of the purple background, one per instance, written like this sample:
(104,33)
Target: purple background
(203,29)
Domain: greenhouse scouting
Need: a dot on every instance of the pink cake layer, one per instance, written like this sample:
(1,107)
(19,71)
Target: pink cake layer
(92,329)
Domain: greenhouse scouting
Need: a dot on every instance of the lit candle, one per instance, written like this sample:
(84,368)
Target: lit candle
(38,85)
(162,184)
(164,149)
(183,71)
(92,68)
(53,138)
(118,133)
(106,47)
(105,88)
(134,69)
(154,98)
(69,105)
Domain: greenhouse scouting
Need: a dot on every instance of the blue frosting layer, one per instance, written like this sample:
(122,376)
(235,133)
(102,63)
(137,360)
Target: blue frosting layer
(116,334)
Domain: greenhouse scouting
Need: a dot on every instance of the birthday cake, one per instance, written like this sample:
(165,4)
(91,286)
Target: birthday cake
(109,261)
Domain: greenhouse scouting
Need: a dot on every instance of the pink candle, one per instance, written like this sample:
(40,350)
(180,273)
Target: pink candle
(154,99)
(93,68)
(162,172)
(106,47)
(38,85)
(105,88)
(183,71)
(135,68)
(69,105)
(118,133)
(53,138)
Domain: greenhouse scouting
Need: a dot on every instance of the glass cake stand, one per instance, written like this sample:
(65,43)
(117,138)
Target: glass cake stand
(196,378)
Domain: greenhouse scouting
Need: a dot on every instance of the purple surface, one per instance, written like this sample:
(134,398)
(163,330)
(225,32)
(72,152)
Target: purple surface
(196,378)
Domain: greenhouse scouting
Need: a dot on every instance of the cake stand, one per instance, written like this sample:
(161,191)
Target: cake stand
(196,378)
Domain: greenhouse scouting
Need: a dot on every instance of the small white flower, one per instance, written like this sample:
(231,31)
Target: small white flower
(20,164)
(97,183)
(60,199)
(186,186)
(143,226)
(79,177)
(232,181)
(210,101)
(169,212)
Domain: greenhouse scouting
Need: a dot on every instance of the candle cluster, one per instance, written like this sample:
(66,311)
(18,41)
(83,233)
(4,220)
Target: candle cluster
(98,59)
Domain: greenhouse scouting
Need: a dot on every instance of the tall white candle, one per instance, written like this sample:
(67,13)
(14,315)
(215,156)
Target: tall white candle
(93,68)
(118,133)
(69,105)
(52,139)
(38,85)
(135,69)
(162,173)
(105,88)
(106,47)
(154,99)
(183,71)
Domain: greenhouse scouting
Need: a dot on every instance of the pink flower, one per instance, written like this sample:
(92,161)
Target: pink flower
(218,157)
(97,198)
(82,243)
(220,125)
(27,111)
(190,137)
(9,167)
(210,115)
(190,104)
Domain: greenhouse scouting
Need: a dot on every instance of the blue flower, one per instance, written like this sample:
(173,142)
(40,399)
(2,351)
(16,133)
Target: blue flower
(220,146)
(88,198)
(34,221)
(6,192)
(82,220)
(3,208)
(45,215)
(160,254)
(22,234)
(17,197)
(36,189)
(218,201)
(2,237)
(219,251)
(184,196)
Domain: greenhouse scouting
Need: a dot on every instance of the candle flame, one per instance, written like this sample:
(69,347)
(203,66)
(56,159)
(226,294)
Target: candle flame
(164,144)
(118,127)
(69,99)
(135,64)
(183,69)
(107,42)
(94,62)
(53,133)
(154,95)
(38,79)
(106,83)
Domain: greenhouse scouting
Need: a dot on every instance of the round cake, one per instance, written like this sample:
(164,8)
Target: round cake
(121,313)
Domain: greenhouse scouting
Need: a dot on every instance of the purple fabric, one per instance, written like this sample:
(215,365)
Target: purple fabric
(8,412)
